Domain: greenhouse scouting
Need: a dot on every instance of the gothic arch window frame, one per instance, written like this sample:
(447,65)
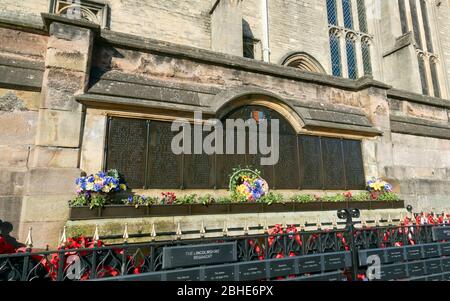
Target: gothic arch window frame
(302,61)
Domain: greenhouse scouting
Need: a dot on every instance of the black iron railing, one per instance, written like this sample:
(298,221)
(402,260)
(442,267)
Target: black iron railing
(281,242)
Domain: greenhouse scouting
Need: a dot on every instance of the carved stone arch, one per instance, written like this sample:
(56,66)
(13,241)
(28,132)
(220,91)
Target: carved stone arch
(302,61)
(229,101)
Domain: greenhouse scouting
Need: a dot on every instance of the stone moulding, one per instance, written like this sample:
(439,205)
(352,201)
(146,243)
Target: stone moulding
(419,127)
(124,211)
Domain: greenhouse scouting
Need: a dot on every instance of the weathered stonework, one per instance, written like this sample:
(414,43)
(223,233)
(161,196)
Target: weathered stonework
(61,79)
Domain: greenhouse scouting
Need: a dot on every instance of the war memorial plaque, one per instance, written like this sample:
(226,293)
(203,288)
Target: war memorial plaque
(441,233)
(183,275)
(282,267)
(310,264)
(431,250)
(364,254)
(433,266)
(445,262)
(311,176)
(252,271)
(445,249)
(416,269)
(332,158)
(413,253)
(126,149)
(196,255)
(336,261)
(220,273)
(393,271)
(395,255)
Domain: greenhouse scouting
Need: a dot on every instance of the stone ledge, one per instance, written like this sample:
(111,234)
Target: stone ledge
(20,78)
(418,98)
(142,226)
(419,127)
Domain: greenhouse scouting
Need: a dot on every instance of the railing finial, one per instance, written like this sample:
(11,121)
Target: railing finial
(125,233)
(29,240)
(63,239)
(179,233)
(266,226)
(318,223)
(225,229)
(334,224)
(246,228)
(96,236)
(153,233)
(202,229)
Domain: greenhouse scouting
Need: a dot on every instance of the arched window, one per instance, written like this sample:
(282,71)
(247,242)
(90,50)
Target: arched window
(426,25)
(403,18)
(435,77)
(335,54)
(303,61)
(351,57)
(415,22)
(332,12)
(362,16)
(423,76)
(347,11)
(365,49)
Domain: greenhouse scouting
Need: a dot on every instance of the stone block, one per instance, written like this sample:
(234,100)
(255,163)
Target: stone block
(44,233)
(11,182)
(52,181)
(59,128)
(14,155)
(42,156)
(10,208)
(67,59)
(60,88)
(45,208)
(15,100)
(18,128)
(70,33)
(92,150)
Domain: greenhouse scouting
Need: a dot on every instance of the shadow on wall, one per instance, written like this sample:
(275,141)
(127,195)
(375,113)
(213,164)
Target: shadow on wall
(5,231)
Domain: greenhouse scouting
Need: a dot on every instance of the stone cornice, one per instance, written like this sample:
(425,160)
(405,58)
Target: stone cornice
(418,98)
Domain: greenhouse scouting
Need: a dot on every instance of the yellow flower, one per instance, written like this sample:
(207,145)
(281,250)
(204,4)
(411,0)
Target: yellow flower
(377,186)
(123,186)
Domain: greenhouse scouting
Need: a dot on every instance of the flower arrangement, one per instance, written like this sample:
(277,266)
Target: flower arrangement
(95,190)
(381,190)
(246,185)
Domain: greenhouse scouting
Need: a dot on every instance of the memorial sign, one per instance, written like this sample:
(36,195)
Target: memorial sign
(441,233)
(197,255)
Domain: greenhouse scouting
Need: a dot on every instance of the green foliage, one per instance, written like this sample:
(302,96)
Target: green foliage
(205,199)
(186,200)
(140,200)
(334,198)
(238,198)
(224,200)
(303,198)
(271,198)
(79,201)
(362,196)
(97,200)
(388,196)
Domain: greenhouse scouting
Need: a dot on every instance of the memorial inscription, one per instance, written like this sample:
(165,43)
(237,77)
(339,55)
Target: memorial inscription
(196,255)
(441,233)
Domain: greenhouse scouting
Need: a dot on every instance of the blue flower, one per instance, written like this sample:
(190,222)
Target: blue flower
(130,199)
